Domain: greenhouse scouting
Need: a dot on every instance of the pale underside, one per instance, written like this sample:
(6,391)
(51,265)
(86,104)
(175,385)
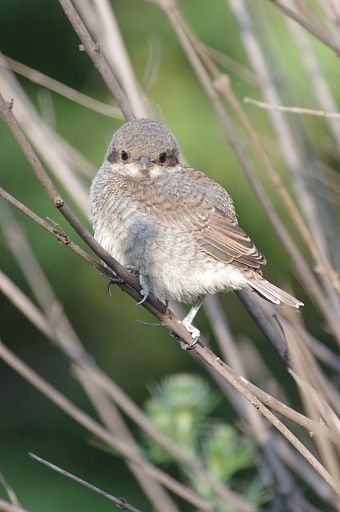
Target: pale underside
(180,231)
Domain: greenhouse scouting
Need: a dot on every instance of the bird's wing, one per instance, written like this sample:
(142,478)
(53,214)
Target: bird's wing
(203,209)
(224,240)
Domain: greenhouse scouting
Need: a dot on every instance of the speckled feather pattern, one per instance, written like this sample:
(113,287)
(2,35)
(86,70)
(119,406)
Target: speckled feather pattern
(173,223)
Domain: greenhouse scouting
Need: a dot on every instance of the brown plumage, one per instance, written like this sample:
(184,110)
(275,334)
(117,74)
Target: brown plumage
(175,225)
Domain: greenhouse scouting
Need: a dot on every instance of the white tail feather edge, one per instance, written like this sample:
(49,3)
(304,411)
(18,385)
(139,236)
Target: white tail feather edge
(274,294)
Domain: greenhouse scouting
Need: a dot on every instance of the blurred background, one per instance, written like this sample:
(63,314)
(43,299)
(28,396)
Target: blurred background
(38,34)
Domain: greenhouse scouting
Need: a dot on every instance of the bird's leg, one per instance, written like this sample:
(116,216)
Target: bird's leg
(187,321)
(144,291)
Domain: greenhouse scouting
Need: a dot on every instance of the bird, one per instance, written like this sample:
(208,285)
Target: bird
(172,224)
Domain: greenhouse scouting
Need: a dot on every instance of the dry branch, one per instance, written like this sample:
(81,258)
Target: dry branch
(96,385)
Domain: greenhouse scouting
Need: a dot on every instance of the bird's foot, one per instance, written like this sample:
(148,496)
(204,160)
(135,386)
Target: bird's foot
(187,322)
(112,281)
(144,291)
(195,333)
(117,280)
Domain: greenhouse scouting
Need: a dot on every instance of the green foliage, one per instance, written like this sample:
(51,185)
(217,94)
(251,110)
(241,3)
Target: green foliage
(177,408)
(180,407)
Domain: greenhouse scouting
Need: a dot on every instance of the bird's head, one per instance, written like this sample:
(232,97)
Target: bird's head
(143,147)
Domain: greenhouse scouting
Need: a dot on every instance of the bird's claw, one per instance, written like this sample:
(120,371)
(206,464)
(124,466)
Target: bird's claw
(117,280)
(145,296)
(183,345)
(112,281)
(195,333)
(144,291)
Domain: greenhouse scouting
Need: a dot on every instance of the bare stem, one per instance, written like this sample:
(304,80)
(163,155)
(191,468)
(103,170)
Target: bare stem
(315,31)
(292,110)
(97,58)
(60,88)
(120,502)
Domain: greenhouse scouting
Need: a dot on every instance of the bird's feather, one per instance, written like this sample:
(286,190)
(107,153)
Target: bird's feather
(202,209)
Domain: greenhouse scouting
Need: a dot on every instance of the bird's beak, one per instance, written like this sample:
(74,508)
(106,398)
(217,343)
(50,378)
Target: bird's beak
(144,162)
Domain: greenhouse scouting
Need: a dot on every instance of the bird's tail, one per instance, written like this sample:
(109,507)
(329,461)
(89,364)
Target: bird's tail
(273,293)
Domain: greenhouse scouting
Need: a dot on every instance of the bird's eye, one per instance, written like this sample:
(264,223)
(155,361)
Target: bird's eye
(162,158)
(124,156)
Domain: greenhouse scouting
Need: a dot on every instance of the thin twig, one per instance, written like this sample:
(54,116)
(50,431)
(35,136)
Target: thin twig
(8,507)
(10,492)
(304,9)
(329,41)
(39,78)
(260,320)
(320,84)
(293,110)
(324,354)
(120,502)
(93,51)
(218,321)
(100,19)
(303,471)
(307,376)
(232,65)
